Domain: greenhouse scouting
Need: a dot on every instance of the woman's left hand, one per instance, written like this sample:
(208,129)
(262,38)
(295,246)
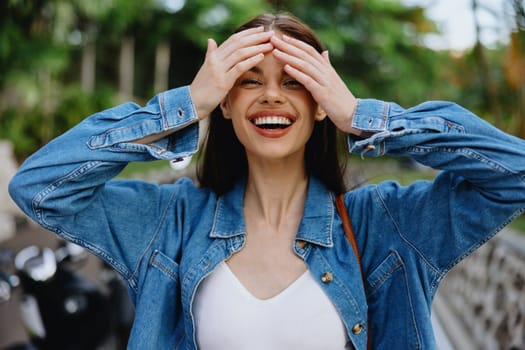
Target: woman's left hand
(316,73)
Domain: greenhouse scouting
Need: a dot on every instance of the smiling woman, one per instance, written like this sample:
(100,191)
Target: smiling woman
(271,82)
(255,255)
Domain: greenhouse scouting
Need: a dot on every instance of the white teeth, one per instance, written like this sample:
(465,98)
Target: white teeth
(272,120)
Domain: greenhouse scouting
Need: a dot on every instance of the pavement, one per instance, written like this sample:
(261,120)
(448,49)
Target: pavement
(442,341)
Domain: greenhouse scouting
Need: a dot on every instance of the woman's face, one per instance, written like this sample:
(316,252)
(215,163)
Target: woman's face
(272,114)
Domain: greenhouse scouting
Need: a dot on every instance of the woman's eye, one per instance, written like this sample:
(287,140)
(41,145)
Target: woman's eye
(292,83)
(250,82)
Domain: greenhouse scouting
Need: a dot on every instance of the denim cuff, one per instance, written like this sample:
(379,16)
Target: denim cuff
(172,110)
(370,115)
(176,108)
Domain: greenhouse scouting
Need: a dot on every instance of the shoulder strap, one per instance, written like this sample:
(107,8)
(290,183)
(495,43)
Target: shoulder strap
(349,233)
(347,225)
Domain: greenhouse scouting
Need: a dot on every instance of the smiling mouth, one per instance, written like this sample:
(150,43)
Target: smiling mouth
(272,122)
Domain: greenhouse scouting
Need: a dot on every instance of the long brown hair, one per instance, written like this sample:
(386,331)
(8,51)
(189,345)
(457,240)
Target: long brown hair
(223,160)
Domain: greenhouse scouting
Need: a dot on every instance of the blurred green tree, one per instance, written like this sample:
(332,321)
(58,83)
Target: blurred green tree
(64,59)
(514,64)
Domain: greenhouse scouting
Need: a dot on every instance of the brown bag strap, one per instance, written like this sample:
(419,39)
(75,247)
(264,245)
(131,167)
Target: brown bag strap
(349,233)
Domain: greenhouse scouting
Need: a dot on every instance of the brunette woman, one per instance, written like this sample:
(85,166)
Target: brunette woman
(255,255)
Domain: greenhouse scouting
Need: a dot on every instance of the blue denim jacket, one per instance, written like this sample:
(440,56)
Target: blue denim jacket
(166,239)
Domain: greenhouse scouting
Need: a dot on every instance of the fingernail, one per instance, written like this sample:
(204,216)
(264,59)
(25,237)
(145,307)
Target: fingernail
(286,37)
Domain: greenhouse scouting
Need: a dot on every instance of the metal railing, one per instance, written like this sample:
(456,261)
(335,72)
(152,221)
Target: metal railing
(481,302)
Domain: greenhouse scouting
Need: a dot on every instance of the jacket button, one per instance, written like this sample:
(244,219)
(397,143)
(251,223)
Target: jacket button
(327,277)
(357,328)
(301,244)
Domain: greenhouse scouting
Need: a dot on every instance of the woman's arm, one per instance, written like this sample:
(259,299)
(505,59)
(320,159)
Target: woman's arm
(66,186)
(481,187)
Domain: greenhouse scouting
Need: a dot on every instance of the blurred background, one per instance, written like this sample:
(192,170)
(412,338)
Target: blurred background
(62,60)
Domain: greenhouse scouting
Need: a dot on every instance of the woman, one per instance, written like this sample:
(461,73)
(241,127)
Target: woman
(256,256)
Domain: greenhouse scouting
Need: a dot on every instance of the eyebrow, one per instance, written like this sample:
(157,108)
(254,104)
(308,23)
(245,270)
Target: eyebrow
(256,70)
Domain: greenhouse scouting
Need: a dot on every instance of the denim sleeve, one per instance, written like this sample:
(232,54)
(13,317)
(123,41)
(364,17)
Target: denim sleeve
(480,189)
(67,185)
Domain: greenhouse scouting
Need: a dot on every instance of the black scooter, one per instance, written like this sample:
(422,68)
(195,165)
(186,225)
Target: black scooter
(61,309)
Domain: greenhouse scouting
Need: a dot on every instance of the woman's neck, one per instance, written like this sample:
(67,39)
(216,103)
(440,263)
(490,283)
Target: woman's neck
(275,191)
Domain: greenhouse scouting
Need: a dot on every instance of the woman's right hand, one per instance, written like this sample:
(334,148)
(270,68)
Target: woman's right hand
(223,65)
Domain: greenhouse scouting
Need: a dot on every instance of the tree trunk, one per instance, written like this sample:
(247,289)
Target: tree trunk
(519,9)
(521,109)
(162,66)
(47,105)
(126,69)
(515,67)
(87,77)
(484,70)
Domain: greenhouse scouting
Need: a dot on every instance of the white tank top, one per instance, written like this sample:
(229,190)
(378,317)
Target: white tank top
(229,317)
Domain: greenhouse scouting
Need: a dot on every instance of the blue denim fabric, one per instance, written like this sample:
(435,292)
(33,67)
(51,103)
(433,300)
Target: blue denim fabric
(166,239)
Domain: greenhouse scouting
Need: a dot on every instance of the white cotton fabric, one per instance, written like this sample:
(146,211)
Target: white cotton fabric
(229,317)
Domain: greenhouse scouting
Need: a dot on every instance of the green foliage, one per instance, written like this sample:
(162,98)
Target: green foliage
(76,105)
(519,224)
(30,128)
(217,19)
(376,46)
(132,170)
(19,131)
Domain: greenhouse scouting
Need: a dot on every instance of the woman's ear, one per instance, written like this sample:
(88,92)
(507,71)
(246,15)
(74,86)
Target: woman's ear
(319,114)
(225,108)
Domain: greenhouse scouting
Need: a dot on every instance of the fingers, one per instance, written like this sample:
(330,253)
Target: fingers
(245,44)
(224,64)
(314,70)
(245,53)
(242,51)
(297,48)
(212,46)
(326,56)
(245,65)
(306,80)
(301,56)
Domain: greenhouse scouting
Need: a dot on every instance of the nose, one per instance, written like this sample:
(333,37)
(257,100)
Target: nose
(272,94)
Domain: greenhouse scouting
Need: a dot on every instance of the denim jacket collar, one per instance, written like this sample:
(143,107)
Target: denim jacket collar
(315,226)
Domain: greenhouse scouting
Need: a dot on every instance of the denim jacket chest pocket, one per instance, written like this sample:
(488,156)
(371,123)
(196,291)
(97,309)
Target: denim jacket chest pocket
(390,305)
(160,307)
